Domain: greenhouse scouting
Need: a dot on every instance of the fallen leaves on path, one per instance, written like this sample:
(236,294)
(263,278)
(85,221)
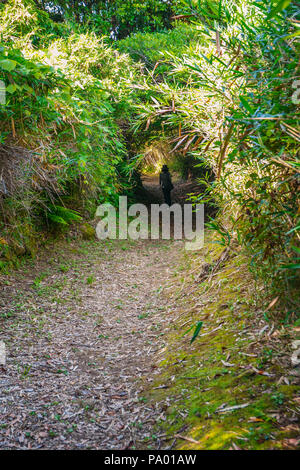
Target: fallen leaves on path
(78,353)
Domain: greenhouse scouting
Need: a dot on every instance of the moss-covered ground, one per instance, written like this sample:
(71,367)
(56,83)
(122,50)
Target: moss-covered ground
(241,358)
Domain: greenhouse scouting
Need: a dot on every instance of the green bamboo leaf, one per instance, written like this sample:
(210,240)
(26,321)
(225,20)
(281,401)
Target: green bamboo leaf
(290,266)
(197,331)
(281,5)
(293,229)
(289,36)
(11,88)
(246,104)
(8,65)
(57,219)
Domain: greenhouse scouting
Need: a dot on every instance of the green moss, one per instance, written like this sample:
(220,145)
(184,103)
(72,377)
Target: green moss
(199,385)
(87,231)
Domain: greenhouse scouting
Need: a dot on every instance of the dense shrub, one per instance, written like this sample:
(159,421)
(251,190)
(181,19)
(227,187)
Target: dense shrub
(232,102)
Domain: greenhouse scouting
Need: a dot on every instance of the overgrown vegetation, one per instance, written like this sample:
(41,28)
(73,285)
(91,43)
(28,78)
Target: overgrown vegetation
(62,102)
(92,95)
(231,101)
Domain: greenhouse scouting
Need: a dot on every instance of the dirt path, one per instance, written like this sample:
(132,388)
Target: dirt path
(179,194)
(81,326)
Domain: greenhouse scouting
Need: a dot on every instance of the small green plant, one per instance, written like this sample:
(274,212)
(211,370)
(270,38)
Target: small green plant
(6,315)
(264,358)
(37,281)
(278,398)
(62,215)
(62,371)
(90,280)
(26,370)
(64,268)
(143,315)
(72,428)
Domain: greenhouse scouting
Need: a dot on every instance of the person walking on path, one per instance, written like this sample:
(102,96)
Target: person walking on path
(166,184)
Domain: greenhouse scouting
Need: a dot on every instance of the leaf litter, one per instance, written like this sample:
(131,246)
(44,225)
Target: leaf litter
(77,356)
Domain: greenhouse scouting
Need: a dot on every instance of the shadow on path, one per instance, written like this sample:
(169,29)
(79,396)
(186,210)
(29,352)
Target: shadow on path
(151,192)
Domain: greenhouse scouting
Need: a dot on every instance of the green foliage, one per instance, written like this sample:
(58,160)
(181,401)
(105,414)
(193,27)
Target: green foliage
(219,92)
(63,99)
(116,18)
(158,48)
(62,215)
(231,102)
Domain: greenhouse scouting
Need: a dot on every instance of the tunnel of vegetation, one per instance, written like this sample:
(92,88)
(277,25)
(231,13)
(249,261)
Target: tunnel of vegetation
(93,91)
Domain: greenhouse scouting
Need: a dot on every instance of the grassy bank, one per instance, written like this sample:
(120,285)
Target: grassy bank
(234,386)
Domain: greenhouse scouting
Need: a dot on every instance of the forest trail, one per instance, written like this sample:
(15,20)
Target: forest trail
(182,189)
(97,354)
(123,344)
(82,325)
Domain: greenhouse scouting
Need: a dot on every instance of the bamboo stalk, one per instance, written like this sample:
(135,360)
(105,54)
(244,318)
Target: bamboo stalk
(223,149)
(282,162)
(13,128)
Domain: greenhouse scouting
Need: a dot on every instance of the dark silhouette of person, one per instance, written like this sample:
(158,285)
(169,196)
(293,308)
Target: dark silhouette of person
(166,184)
